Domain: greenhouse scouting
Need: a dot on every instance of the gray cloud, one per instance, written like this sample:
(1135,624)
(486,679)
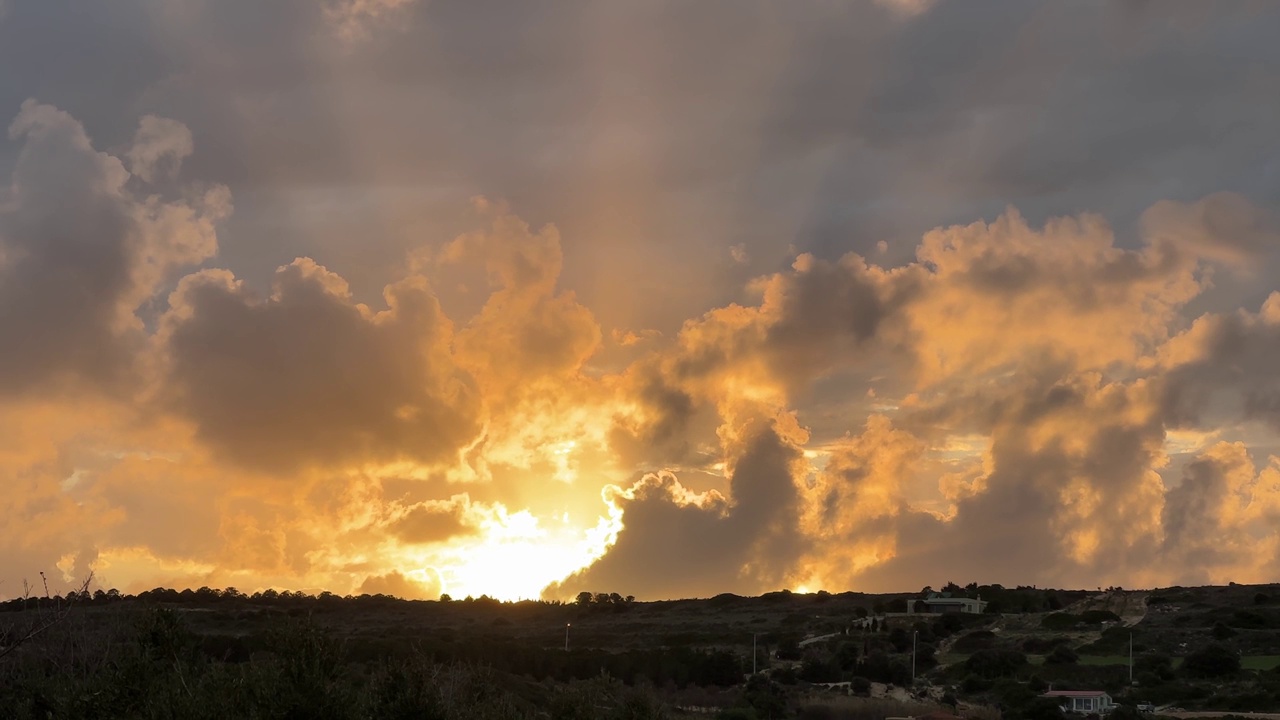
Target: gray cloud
(307,377)
(678,545)
(939,118)
(80,253)
(821,140)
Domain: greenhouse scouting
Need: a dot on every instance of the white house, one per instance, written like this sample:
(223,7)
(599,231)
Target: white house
(944,603)
(1082,701)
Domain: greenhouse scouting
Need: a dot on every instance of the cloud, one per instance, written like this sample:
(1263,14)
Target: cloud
(159,148)
(351,18)
(1015,288)
(678,543)
(307,376)
(426,523)
(1224,227)
(1220,369)
(397,585)
(80,254)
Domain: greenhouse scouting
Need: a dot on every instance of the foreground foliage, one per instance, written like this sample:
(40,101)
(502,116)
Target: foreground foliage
(153,667)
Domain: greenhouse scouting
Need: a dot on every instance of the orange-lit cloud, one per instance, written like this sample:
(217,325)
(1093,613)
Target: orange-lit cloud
(405,297)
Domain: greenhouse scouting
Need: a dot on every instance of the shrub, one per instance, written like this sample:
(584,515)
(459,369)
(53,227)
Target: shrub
(1211,661)
(995,663)
(974,641)
(1059,621)
(1222,632)
(1097,617)
(1061,655)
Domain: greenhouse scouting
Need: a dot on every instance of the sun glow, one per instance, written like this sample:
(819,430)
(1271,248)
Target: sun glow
(517,556)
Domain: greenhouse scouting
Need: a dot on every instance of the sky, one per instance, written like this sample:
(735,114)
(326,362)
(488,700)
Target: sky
(667,298)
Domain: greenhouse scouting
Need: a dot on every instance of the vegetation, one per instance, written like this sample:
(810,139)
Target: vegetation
(223,653)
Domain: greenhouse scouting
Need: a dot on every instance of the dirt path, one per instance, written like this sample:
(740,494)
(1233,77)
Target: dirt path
(1130,606)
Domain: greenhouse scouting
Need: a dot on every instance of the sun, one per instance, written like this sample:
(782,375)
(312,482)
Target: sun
(516,556)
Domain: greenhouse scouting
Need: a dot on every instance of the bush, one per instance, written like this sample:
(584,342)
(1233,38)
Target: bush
(974,641)
(1059,621)
(1062,655)
(1211,661)
(1097,617)
(973,684)
(995,663)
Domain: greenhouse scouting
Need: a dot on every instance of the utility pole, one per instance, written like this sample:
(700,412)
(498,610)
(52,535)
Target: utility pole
(753,652)
(1130,657)
(914,634)
(566,637)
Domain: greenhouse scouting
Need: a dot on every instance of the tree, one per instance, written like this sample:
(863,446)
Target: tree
(901,639)
(1211,661)
(1160,666)
(1061,655)
(995,663)
(820,669)
(766,697)
(585,598)
(847,655)
(788,648)
(1222,632)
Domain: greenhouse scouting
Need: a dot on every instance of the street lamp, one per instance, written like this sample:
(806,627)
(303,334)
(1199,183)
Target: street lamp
(566,637)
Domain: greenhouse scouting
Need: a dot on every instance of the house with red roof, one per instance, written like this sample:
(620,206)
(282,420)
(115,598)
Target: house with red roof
(1082,701)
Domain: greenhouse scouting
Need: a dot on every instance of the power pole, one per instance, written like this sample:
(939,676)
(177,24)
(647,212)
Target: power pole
(1130,657)
(914,635)
(753,652)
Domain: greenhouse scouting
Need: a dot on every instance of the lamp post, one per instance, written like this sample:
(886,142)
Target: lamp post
(753,652)
(566,637)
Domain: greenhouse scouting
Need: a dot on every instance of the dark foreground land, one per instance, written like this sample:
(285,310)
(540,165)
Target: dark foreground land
(221,654)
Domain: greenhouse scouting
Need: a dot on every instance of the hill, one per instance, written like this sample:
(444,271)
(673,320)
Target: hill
(607,651)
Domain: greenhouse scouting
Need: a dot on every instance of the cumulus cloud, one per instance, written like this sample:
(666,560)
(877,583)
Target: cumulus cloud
(80,253)
(1036,340)
(1011,259)
(679,543)
(159,148)
(307,376)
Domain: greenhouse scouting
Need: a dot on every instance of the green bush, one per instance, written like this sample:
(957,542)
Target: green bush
(995,663)
(1211,661)
(1061,655)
